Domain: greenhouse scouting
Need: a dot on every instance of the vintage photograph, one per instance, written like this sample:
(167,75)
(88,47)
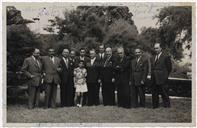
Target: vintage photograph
(101,63)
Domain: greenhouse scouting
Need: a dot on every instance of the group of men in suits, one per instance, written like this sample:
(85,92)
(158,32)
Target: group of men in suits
(105,71)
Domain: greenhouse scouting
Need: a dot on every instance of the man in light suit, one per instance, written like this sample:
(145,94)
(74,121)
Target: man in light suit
(139,72)
(32,68)
(51,69)
(161,67)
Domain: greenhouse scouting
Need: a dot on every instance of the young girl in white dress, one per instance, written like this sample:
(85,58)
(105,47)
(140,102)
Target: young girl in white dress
(80,74)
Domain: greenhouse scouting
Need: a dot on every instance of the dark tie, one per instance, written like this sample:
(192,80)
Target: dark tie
(38,63)
(66,59)
(136,62)
(156,59)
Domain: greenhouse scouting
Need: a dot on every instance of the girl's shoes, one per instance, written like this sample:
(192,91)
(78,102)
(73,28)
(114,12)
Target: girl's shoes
(79,105)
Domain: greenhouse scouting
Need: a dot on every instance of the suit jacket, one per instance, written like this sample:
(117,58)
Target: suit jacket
(139,71)
(67,72)
(161,69)
(74,62)
(107,72)
(101,60)
(92,71)
(50,69)
(31,67)
(122,71)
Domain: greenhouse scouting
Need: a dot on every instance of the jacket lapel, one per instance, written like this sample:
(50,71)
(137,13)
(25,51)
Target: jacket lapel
(139,62)
(159,58)
(35,63)
(51,62)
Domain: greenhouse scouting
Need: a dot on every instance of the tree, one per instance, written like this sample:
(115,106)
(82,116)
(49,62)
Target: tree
(148,37)
(19,39)
(91,25)
(174,31)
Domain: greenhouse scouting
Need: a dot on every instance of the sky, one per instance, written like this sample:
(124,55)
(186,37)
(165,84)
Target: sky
(143,13)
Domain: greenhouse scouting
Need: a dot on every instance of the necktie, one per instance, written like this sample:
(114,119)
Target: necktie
(38,63)
(67,63)
(91,62)
(156,59)
(106,61)
(52,59)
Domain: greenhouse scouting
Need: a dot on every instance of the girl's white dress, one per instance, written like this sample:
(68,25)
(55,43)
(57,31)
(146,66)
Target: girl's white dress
(80,79)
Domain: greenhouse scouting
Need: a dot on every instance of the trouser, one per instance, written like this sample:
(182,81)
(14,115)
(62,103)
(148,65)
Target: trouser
(123,95)
(50,95)
(93,94)
(67,94)
(34,96)
(63,95)
(163,90)
(85,98)
(138,96)
(108,93)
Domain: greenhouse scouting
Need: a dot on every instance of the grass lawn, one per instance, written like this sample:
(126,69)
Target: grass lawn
(180,112)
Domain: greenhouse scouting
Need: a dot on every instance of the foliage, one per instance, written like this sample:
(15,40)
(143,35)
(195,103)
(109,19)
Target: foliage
(174,30)
(91,25)
(148,37)
(181,70)
(20,41)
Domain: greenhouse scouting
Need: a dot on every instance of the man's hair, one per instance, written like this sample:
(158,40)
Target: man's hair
(82,49)
(102,45)
(82,61)
(33,50)
(92,49)
(139,47)
(51,48)
(72,50)
(67,49)
(160,44)
(120,48)
(108,48)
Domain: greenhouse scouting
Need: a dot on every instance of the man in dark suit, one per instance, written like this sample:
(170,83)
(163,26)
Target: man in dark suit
(122,65)
(139,72)
(67,84)
(32,68)
(51,69)
(161,67)
(82,56)
(107,77)
(73,58)
(101,58)
(92,78)
(101,54)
